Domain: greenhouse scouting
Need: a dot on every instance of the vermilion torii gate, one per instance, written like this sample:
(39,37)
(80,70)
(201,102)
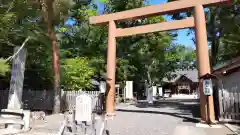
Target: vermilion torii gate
(197,21)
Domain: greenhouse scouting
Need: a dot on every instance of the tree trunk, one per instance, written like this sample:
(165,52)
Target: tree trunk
(213,46)
(55,56)
(215,38)
(56,71)
(149,78)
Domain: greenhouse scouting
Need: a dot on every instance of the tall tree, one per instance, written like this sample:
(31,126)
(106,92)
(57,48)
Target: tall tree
(53,11)
(218,19)
(144,57)
(16,25)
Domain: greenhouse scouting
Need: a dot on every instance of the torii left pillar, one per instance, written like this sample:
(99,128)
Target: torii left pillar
(111,68)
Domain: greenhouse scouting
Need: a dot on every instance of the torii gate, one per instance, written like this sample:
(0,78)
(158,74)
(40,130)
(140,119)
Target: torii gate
(197,21)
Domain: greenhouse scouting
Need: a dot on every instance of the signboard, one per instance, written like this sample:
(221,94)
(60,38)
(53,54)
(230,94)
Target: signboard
(154,88)
(129,90)
(17,78)
(207,87)
(160,91)
(83,108)
(117,85)
(102,86)
(150,95)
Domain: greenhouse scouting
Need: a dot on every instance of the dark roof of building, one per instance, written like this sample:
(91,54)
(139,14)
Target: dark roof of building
(227,67)
(226,63)
(190,74)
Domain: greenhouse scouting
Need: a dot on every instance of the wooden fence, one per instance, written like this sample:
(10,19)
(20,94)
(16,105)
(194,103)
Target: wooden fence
(229,106)
(229,99)
(69,98)
(3,98)
(43,100)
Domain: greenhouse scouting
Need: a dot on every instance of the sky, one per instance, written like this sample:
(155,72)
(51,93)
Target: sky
(182,34)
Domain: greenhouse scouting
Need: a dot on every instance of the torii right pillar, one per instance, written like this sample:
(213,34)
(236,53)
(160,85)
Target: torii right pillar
(206,105)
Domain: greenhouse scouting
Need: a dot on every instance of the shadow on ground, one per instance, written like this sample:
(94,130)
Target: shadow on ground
(187,109)
(190,106)
(179,115)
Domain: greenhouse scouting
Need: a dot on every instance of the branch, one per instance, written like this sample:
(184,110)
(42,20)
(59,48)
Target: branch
(7,42)
(23,44)
(11,6)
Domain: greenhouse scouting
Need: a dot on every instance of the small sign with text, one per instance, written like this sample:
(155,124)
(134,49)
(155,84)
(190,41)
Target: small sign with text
(207,87)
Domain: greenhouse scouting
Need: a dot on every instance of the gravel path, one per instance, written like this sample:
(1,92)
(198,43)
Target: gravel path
(49,126)
(170,117)
(177,117)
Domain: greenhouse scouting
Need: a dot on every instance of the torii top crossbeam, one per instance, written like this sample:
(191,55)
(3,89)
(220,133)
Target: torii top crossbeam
(170,7)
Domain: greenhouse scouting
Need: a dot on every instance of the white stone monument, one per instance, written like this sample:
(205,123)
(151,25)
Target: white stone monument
(160,91)
(17,78)
(102,86)
(154,88)
(150,96)
(129,90)
(83,108)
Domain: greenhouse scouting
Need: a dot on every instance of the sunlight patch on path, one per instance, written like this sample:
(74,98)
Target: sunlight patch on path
(188,130)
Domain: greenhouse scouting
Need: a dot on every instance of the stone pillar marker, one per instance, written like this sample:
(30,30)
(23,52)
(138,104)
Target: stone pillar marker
(102,86)
(150,95)
(129,90)
(17,78)
(154,88)
(160,91)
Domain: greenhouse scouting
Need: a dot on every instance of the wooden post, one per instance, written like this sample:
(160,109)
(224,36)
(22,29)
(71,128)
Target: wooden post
(207,108)
(111,68)
(74,128)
